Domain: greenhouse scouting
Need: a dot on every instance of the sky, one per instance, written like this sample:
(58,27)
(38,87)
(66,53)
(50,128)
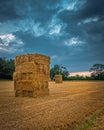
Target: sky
(71,32)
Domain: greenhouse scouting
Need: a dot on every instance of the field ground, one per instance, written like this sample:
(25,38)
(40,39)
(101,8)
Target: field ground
(68,107)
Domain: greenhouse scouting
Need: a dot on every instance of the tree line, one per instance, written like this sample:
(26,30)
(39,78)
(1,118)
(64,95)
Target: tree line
(97,71)
(6,68)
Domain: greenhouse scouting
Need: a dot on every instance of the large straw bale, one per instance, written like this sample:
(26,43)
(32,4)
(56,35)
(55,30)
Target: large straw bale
(31,75)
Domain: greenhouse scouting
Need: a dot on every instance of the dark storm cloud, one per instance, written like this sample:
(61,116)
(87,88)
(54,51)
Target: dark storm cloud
(35,9)
(20,9)
(7,10)
(93,8)
(70,31)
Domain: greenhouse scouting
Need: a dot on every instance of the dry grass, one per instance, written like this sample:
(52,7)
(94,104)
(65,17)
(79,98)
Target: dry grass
(69,104)
(98,124)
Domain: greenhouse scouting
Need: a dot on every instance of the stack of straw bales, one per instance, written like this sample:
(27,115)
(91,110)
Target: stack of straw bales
(31,75)
(58,78)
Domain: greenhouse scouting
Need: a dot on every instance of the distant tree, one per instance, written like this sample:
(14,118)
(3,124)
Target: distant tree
(97,71)
(6,68)
(59,69)
(2,67)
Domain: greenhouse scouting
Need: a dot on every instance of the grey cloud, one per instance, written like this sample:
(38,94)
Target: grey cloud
(7,11)
(93,8)
(44,26)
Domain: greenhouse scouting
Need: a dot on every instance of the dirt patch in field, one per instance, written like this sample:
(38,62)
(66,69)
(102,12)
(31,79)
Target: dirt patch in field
(68,104)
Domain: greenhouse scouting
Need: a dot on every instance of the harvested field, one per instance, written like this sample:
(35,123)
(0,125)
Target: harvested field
(68,105)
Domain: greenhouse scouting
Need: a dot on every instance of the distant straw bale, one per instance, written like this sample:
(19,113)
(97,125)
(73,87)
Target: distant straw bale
(58,78)
(31,75)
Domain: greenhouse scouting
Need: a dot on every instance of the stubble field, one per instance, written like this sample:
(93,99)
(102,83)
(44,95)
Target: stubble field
(68,106)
